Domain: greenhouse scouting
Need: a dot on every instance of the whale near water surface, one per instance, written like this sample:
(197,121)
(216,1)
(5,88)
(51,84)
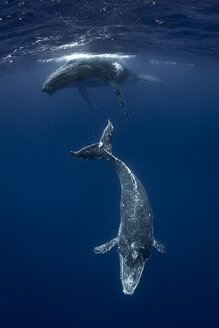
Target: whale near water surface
(83,73)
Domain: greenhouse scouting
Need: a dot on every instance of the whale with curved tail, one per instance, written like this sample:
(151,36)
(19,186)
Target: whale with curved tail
(135,236)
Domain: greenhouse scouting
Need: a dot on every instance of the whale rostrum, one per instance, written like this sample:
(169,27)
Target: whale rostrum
(135,236)
(93,72)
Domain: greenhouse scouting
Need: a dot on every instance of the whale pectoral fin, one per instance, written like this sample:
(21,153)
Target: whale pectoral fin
(83,91)
(160,247)
(118,92)
(106,247)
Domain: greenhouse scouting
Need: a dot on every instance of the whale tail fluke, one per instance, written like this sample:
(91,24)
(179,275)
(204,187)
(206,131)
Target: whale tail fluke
(106,138)
(99,150)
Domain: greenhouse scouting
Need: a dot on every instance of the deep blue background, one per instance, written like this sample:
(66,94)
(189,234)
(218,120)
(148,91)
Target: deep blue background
(54,209)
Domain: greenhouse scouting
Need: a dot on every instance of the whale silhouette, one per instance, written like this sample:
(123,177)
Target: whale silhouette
(93,72)
(135,236)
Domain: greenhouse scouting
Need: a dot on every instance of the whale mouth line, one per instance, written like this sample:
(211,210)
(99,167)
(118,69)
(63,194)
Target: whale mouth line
(130,276)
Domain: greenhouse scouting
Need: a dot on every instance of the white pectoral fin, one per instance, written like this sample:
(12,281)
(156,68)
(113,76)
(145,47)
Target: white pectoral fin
(106,247)
(160,247)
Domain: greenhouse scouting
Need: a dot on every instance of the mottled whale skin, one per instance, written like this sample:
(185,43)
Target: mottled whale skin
(135,236)
(93,72)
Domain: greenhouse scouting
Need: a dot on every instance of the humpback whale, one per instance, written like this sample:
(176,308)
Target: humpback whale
(93,72)
(135,236)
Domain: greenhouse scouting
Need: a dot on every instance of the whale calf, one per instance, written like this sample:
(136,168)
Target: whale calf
(93,72)
(135,236)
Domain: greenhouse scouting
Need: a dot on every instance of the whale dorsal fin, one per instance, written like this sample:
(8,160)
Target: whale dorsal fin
(83,91)
(106,247)
(118,92)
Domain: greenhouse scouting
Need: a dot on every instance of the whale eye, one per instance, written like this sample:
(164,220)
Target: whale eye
(134,254)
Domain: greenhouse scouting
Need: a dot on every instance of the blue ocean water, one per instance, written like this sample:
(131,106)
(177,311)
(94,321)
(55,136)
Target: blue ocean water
(54,209)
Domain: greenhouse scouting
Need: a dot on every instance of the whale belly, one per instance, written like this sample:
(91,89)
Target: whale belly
(136,217)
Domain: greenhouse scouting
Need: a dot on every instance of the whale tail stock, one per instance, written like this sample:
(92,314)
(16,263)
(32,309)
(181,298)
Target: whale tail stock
(102,149)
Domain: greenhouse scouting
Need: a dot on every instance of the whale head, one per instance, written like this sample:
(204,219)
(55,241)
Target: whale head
(55,81)
(67,75)
(132,263)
